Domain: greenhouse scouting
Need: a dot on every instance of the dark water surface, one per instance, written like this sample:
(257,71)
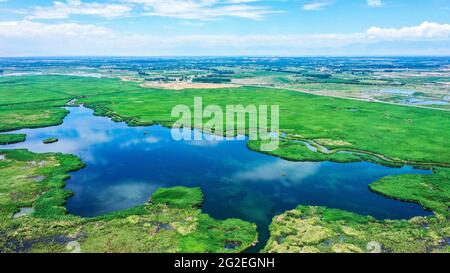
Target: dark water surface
(126,164)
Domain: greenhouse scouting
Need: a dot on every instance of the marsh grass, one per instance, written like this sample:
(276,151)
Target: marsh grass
(430,191)
(324,230)
(6,139)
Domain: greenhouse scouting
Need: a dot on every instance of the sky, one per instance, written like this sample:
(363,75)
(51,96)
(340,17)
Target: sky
(224,27)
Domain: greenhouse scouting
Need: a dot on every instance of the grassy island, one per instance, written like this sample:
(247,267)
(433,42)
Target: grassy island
(171,222)
(50,140)
(6,139)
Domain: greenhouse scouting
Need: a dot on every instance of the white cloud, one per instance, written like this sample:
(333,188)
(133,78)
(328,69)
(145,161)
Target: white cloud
(426,30)
(240,1)
(317,5)
(192,24)
(27,38)
(61,10)
(32,29)
(184,9)
(24,29)
(139,141)
(275,170)
(203,9)
(374,3)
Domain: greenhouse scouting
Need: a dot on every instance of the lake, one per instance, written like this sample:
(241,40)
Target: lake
(125,165)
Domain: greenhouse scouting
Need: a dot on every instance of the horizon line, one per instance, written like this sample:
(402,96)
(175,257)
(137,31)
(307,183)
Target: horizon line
(225,56)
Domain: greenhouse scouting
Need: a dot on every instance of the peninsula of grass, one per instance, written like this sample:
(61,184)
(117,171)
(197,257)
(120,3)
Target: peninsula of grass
(50,140)
(6,139)
(16,117)
(19,187)
(299,152)
(171,222)
(430,191)
(323,230)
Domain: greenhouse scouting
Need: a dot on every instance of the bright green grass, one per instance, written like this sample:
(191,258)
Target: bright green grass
(341,87)
(27,89)
(430,191)
(299,152)
(401,132)
(18,187)
(179,197)
(171,223)
(11,138)
(323,230)
(14,118)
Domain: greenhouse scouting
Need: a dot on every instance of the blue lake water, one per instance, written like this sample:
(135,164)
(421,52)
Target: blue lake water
(126,164)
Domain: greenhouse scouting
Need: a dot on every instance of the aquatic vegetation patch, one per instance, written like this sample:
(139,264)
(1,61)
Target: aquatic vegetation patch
(323,230)
(50,140)
(161,229)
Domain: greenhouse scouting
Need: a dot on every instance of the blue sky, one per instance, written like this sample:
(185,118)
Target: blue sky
(224,27)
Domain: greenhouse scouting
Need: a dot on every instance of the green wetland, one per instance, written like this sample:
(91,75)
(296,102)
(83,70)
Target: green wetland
(362,172)
(125,165)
